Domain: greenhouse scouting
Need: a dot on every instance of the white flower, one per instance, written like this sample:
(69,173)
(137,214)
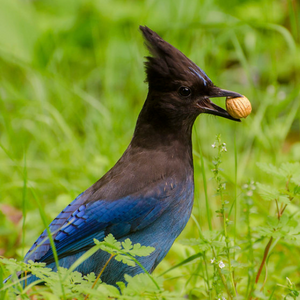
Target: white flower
(250,193)
(212,260)
(221,264)
(213,145)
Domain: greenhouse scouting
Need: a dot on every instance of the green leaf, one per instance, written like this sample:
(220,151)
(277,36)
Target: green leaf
(110,239)
(127,245)
(272,221)
(296,179)
(284,220)
(284,199)
(110,244)
(236,264)
(138,285)
(125,260)
(108,290)
(125,251)
(91,277)
(203,247)
(270,169)
(139,250)
(290,169)
(225,272)
(266,192)
(265,231)
(297,190)
(218,244)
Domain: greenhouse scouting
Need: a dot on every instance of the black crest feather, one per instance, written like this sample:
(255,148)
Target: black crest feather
(166,62)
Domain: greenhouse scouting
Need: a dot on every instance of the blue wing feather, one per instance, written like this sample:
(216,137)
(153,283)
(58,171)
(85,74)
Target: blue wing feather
(76,226)
(42,244)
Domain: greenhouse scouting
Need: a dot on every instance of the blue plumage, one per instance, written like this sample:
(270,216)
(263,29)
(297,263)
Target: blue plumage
(133,216)
(148,195)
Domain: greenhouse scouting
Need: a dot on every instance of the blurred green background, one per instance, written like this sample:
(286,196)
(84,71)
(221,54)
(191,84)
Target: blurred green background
(71,88)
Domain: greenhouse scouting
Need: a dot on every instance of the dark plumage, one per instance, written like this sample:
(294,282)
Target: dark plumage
(148,195)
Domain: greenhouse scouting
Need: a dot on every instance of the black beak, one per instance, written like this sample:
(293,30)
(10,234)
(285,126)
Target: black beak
(208,107)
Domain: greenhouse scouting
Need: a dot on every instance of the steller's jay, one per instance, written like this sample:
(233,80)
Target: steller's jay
(148,195)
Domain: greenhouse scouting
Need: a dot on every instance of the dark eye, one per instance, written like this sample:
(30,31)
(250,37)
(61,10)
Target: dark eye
(184,91)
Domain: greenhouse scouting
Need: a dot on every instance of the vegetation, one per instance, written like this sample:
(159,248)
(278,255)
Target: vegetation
(71,89)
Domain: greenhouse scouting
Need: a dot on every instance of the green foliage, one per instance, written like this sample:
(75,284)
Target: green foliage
(71,88)
(124,251)
(226,255)
(281,226)
(69,285)
(293,292)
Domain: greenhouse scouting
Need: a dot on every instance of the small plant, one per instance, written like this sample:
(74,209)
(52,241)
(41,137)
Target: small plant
(293,292)
(280,225)
(229,271)
(225,264)
(76,286)
(223,214)
(216,247)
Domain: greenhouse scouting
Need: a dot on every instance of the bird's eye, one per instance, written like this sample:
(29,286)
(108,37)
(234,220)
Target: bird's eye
(184,91)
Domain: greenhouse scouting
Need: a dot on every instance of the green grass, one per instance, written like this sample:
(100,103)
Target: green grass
(71,88)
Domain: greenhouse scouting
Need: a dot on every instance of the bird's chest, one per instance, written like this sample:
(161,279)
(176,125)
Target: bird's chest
(163,232)
(178,214)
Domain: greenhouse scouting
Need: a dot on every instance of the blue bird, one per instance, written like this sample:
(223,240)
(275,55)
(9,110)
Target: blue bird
(147,195)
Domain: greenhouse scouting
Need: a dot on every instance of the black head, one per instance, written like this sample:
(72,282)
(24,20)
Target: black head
(178,85)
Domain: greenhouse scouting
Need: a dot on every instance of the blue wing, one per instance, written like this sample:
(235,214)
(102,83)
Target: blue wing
(76,226)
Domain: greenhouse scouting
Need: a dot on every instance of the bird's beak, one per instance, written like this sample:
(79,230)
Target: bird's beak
(208,107)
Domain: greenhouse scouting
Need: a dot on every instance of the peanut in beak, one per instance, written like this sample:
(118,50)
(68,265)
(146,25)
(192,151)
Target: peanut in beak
(238,107)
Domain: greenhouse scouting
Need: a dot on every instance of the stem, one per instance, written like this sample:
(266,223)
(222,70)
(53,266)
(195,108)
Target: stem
(264,259)
(206,271)
(228,251)
(99,275)
(226,241)
(224,283)
(267,249)
(222,147)
(101,272)
(136,261)
(235,190)
(283,209)
(287,184)
(208,214)
(222,277)
(261,265)
(278,211)
(249,236)
(266,276)
(25,279)
(24,199)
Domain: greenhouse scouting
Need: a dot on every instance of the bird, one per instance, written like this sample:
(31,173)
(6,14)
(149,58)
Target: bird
(147,196)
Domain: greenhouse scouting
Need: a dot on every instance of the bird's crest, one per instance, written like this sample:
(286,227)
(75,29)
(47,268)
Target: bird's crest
(167,62)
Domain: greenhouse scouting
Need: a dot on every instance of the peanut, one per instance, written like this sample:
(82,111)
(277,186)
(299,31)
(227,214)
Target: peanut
(238,107)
